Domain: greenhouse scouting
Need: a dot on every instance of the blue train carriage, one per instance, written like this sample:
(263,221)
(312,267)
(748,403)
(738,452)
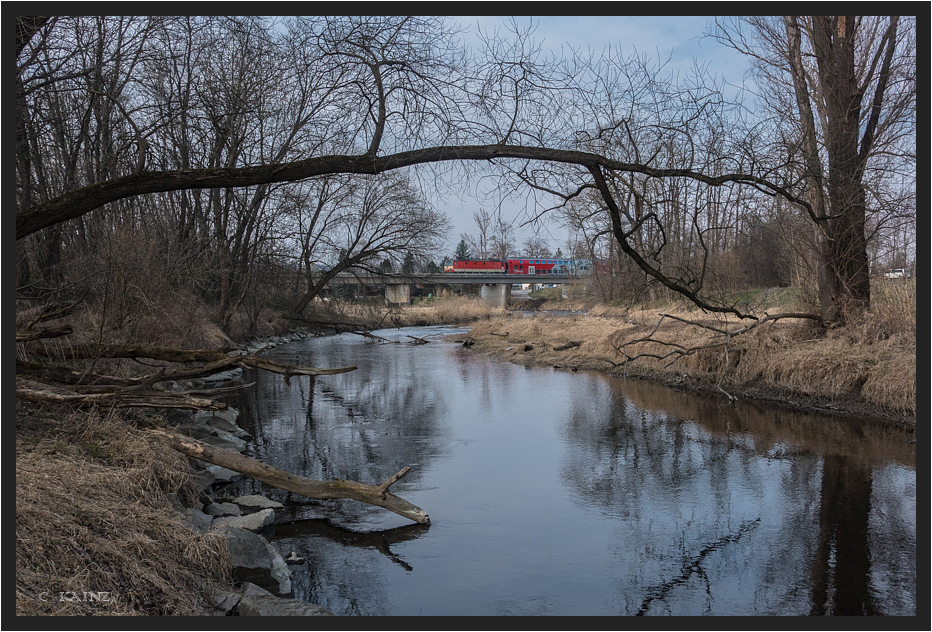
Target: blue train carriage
(532,266)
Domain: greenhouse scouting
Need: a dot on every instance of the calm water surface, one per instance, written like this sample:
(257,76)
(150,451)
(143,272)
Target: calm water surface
(556,493)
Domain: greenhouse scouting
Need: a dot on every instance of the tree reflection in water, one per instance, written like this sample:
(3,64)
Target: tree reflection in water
(578,493)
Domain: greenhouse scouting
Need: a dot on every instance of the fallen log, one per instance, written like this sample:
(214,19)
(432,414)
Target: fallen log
(28,335)
(568,345)
(418,341)
(377,495)
(216,360)
(39,394)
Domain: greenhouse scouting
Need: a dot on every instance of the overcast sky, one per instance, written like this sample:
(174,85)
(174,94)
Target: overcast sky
(679,38)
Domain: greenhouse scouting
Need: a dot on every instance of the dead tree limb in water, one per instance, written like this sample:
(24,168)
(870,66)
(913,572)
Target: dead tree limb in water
(372,336)
(377,495)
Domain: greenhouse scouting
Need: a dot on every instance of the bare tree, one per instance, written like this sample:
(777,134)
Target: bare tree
(479,244)
(360,222)
(842,90)
(536,245)
(669,161)
(502,239)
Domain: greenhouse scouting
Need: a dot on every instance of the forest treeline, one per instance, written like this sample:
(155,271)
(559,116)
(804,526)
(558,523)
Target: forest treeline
(232,164)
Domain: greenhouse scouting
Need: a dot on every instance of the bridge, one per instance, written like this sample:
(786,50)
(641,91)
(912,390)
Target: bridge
(496,287)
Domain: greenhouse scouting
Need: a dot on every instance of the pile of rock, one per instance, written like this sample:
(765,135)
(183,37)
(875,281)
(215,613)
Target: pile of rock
(256,564)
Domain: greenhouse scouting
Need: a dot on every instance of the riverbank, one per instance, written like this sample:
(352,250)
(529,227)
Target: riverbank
(860,369)
(96,532)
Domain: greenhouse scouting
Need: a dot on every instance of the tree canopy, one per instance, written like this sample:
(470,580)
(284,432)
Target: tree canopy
(206,130)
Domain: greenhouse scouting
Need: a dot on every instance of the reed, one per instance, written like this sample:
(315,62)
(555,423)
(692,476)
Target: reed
(95,530)
(867,366)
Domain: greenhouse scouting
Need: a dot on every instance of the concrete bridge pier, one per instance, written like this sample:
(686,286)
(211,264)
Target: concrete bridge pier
(496,294)
(398,294)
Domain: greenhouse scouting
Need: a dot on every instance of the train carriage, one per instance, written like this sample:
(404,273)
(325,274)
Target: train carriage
(543,265)
(536,266)
(479,265)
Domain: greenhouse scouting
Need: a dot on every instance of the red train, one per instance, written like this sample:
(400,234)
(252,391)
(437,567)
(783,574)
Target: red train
(543,265)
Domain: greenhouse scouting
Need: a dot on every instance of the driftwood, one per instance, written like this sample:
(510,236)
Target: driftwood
(215,361)
(49,311)
(372,336)
(39,394)
(568,345)
(377,495)
(37,334)
(419,341)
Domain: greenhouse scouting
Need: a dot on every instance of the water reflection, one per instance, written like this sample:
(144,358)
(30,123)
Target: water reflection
(561,493)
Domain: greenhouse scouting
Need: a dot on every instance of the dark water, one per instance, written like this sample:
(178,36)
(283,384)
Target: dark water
(555,493)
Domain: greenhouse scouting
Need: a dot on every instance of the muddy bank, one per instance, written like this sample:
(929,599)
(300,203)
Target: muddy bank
(790,364)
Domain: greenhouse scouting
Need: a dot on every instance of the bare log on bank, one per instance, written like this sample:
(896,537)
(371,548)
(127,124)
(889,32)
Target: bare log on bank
(27,335)
(216,361)
(42,394)
(377,495)
(568,345)
(87,388)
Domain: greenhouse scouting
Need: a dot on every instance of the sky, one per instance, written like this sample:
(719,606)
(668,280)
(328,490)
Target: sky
(679,38)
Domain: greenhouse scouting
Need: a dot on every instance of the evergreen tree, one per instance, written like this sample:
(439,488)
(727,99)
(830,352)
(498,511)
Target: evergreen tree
(462,250)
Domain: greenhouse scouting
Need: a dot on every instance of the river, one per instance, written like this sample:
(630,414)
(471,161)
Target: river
(558,493)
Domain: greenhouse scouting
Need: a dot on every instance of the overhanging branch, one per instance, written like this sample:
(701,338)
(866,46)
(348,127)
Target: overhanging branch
(76,203)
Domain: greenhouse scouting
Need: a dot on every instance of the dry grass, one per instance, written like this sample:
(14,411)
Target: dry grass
(95,531)
(868,365)
(453,310)
(375,315)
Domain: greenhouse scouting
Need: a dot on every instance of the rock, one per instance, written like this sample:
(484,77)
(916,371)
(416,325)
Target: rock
(253,522)
(196,519)
(222,474)
(254,560)
(212,435)
(175,500)
(257,602)
(224,420)
(224,376)
(223,509)
(228,416)
(254,502)
(176,416)
(225,441)
(203,478)
(220,604)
